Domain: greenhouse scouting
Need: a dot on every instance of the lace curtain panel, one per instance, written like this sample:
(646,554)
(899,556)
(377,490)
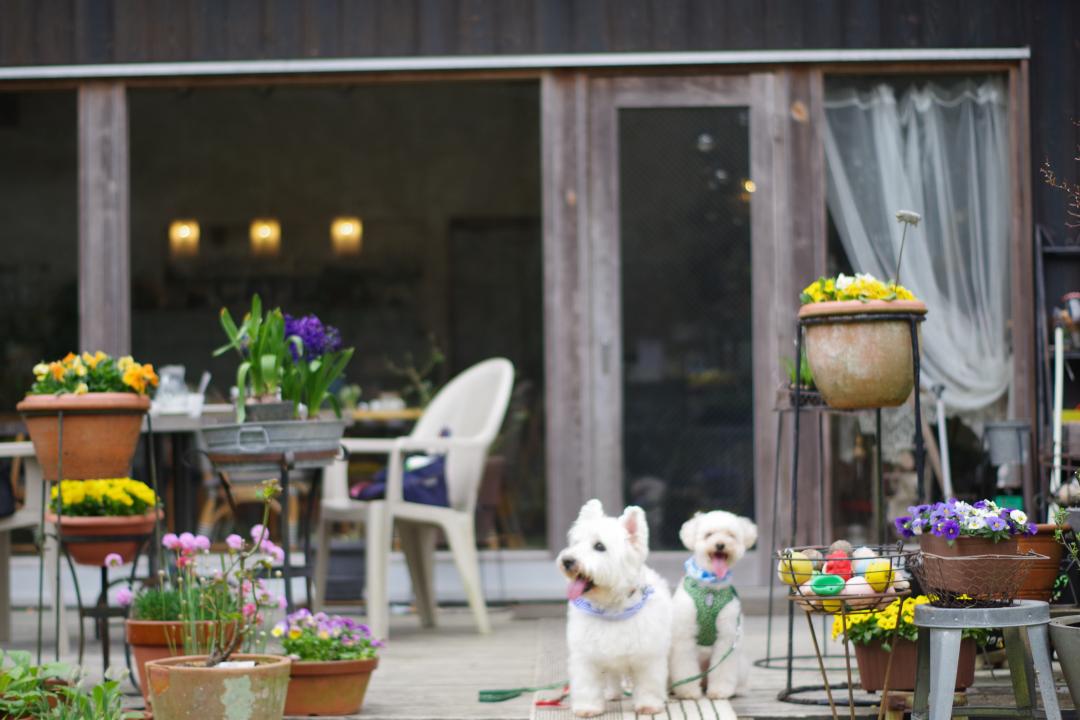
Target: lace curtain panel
(941,150)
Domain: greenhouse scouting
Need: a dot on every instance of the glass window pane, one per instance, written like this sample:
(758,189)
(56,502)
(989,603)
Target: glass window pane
(444,180)
(688,393)
(38,234)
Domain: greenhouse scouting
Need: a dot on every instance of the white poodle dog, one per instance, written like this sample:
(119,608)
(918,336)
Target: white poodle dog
(707,614)
(619,616)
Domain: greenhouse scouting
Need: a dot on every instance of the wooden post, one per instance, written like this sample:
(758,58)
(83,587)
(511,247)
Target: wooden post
(104,275)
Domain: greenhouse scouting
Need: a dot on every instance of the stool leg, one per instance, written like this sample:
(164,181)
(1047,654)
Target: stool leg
(921,702)
(1020,671)
(944,656)
(1039,639)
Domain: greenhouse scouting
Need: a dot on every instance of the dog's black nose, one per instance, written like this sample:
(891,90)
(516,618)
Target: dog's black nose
(719,547)
(568,562)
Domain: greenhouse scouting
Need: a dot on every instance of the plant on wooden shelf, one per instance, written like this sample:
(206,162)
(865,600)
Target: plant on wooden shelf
(872,633)
(102,400)
(857,360)
(106,507)
(222,612)
(333,658)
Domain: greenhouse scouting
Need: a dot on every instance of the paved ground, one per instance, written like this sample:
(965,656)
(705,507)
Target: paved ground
(436,674)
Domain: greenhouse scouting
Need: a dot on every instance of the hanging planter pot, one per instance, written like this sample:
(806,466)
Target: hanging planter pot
(94,553)
(860,363)
(100,432)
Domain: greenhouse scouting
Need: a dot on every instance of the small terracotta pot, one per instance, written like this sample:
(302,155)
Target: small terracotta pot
(865,364)
(873,660)
(94,553)
(158,639)
(964,546)
(328,688)
(182,688)
(1039,584)
(100,432)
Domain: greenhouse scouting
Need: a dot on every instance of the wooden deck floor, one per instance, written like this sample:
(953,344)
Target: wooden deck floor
(436,674)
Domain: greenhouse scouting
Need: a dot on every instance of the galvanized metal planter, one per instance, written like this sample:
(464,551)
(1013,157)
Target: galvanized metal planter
(261,447)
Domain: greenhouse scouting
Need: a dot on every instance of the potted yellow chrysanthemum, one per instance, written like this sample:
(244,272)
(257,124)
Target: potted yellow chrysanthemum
(864,362)
(102,401)
(872,633)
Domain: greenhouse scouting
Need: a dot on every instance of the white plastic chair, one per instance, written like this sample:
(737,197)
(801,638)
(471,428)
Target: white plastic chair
(471,408)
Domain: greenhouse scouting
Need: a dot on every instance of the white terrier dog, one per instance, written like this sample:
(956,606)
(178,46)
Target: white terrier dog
(707,614)
(619,617)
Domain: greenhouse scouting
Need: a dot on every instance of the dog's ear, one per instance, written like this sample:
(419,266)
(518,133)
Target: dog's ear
(688,532)
(749,532)
(637,527)
(591,511)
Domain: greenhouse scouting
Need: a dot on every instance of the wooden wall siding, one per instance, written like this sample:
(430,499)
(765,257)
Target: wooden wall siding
(104,277)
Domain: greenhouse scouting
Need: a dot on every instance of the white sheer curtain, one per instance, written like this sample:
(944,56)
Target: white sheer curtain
(942,151)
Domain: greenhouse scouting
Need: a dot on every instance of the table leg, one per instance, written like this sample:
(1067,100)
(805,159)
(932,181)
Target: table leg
(944,656)
(286,570)
(920,704)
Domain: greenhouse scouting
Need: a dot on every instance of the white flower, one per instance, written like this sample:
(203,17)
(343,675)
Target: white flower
(843,281)
(908,216)
(865,277)
(974,523)
(917,529)
(1019,517)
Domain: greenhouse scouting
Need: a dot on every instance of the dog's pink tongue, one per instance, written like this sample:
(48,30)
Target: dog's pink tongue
(576,589)
(719,566)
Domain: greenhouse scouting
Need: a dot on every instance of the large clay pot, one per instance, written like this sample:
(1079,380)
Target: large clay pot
(100,432)
(183,688)
(158,639)
(861,364)
(328,688)
(873,660)
(1039,584)
(94,553)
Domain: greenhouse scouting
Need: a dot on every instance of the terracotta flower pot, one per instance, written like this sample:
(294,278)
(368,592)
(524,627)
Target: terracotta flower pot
(158,639)
(1039,584)
(182,688)
(873,660)
(965,546)
(100,432)
(328,688)
(861,364)
(93,553)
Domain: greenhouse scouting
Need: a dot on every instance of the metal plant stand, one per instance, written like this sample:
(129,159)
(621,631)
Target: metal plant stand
(283,463)
(789,693)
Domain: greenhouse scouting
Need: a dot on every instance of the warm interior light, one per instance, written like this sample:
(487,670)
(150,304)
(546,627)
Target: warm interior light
(347,235)
(749,185)
(265,236)
(184,238)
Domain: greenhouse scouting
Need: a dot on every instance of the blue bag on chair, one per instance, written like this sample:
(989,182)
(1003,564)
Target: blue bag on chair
(424,482)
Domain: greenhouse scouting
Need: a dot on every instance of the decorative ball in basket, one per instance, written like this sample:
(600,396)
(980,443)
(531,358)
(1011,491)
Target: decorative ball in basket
(838,579)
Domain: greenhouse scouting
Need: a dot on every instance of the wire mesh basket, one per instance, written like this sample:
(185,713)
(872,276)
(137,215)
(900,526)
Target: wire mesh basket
(823,585)
(972,581)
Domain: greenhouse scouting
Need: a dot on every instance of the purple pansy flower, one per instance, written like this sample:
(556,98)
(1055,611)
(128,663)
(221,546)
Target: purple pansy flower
(901,526)
(950,529)
(996,523)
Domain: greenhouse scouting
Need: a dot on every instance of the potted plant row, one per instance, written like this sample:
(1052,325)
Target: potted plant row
(56,690)
(871,633)
(102,401)
(865,362)
(286,368)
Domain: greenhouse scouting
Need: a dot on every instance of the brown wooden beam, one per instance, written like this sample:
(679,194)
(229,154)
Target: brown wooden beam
(104,274)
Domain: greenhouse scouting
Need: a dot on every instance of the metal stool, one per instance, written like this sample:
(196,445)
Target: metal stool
(939,652)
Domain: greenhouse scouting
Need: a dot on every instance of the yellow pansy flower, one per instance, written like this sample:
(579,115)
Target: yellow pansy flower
(82,388)
(40,371)
(125,362)
(277,631)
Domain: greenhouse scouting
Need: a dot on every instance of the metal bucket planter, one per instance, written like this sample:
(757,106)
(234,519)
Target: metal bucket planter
(259,447)
(183,688)
(864,363)
(100,432)
(1065,636)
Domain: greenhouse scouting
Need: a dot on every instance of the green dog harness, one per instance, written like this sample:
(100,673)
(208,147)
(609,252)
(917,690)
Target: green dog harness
(708,602)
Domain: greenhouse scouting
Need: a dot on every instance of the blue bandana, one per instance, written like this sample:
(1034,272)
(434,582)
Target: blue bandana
(693,570)
(626,613)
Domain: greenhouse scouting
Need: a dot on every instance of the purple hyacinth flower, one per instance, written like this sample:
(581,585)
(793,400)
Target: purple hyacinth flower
(317,339)
(950,529)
